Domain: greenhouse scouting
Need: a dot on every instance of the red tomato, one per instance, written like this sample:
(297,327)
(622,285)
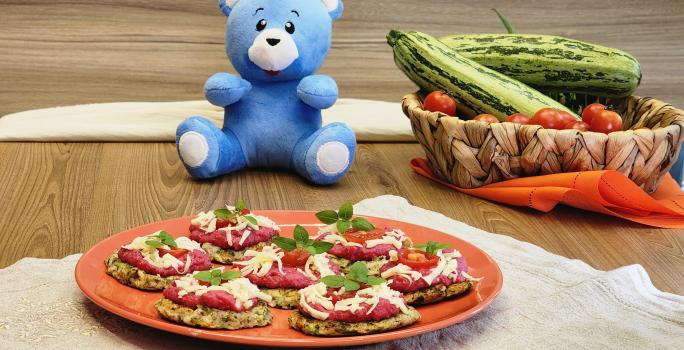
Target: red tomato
(607,122)
(438,101)
(245,212)
(487,118)
(346,295)
(548,118)
(578,125)
(519,118)
(221,223)
(177,253)
(417,259)
(361,237)
(295,258)
(591,111)
(567,117)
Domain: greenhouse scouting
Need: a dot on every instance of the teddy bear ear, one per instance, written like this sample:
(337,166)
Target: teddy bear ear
(227,6)
(335,8)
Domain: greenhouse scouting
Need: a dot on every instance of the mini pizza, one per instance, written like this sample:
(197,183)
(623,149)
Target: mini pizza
(152,262)
(429,275)
(355,304)
(226,234)
(282,270)
(216,299)
(356,239)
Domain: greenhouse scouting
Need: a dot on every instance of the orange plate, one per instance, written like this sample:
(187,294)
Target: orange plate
(138,306)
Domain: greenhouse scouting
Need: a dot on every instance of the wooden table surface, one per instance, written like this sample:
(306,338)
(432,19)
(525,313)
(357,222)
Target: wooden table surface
(60,198)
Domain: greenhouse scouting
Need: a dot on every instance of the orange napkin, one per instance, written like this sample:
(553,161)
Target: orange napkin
(607,192)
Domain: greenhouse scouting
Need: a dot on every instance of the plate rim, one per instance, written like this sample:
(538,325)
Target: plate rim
(314,342)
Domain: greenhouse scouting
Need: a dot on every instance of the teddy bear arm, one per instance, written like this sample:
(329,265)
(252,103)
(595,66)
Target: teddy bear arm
(318,91)
(224,89)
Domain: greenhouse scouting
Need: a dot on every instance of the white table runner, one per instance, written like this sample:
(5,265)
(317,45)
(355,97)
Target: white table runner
(372,121)
(547,302)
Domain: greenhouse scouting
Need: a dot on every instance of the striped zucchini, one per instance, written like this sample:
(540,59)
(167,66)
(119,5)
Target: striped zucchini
(434,66)
(552,63)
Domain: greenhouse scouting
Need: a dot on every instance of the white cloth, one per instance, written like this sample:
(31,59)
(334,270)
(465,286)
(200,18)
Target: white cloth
(373,121)
(547,302)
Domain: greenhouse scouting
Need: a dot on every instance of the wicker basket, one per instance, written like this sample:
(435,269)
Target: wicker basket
(471,154)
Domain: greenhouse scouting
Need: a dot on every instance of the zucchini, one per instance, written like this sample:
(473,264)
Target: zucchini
(552,63)
(434,66)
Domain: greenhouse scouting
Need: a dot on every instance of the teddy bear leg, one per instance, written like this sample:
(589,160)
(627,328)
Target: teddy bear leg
(207,151)
(326,155)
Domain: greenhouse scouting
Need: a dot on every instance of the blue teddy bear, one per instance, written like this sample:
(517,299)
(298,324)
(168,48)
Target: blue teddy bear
(273,110)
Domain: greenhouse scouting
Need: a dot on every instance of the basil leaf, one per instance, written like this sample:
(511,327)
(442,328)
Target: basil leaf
(216,281)
(322,247)
(240,205)
(346,211)
(375,280)
(333,281)
(285,244)
(215,273)
(252,220)
(342,226)
(361,224)
(204,276)
(358,271)
(154,243)
(224,214)
(300,234)
(230,275)
(351,285)
(327,216)
(310,249)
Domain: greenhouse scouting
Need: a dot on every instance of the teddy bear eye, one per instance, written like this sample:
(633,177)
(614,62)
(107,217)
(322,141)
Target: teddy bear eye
(261,25)
(289,27)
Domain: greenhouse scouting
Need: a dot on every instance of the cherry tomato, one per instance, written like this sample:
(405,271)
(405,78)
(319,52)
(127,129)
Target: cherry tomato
(591,111)
(417,259)
(346,295)
(245,212)
(606,122)
(295,258)
(578,125)
(548,118)
(177,253)
(519,118)
(487,118)
(567,117)
(361,237)
(438,101)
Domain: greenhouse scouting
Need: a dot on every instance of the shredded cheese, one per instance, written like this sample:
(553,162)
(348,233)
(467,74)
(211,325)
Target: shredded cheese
(207,222)
(241,288)
(316,294)
(329,234)
(151,254)
(321,262)
(403,271)
(262,261)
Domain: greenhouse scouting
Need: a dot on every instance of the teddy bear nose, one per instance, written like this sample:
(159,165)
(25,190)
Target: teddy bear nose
(272,41)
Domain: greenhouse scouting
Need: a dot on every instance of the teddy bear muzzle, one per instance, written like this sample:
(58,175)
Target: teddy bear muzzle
(273,51)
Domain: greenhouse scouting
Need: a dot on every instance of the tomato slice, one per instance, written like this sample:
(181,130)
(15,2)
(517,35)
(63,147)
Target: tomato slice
(295,258)
(417,259)
(177,253)
(361,237)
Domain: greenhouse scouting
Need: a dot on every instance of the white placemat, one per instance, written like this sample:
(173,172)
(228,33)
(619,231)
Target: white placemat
(548,302)
(373,121)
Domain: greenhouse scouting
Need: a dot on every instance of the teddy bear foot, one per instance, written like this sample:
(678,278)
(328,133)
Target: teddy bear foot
(207,151)
(325,156)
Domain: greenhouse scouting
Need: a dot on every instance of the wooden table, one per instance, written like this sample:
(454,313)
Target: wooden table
(58,199)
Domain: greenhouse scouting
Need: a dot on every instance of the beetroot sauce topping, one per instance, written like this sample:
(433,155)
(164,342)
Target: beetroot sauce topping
(237,295)
(237,233)
(452,268)
(265,269)
(187,257)
(392,240)
(375,303)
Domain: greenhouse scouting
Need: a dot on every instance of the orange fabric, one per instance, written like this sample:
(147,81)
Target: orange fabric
(607,192)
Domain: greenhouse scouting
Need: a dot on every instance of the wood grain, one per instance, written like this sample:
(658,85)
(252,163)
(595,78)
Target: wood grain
(57,199)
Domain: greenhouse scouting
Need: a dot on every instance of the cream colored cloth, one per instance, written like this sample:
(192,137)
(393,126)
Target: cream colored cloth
(547,302)
(373,121)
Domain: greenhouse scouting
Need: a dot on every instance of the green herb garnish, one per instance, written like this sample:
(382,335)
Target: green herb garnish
(358,273)
(161,239)
(343,219)
(505,22)
(228,214)
(302,241)
(216,276)
(432,247)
